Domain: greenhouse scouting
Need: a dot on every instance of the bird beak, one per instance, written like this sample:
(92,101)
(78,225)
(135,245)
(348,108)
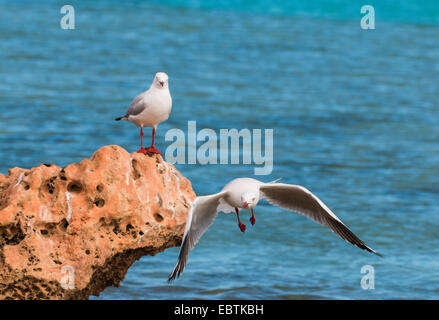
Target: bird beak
(245,204)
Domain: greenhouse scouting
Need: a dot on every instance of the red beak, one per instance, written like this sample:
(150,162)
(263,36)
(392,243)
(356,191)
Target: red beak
(245,204)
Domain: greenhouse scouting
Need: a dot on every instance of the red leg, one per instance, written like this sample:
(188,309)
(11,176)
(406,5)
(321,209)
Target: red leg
(252,219)
(142,149)
(152,149)
(241,225)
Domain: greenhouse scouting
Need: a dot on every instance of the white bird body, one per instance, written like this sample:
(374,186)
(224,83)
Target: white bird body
(150,108)
(244,193)
(234,190)
(156,106)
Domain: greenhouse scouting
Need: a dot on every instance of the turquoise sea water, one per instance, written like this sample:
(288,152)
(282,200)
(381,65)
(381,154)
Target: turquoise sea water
(355,116)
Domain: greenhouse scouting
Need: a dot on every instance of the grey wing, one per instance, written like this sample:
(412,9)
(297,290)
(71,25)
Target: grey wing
(301,200)
(138,105)
(201,215)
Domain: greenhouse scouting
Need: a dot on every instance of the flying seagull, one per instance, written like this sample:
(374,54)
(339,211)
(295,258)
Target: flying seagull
(244,193)
(150,108)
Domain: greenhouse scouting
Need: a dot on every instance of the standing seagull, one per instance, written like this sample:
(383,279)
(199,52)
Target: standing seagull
(244,193)
(150,108)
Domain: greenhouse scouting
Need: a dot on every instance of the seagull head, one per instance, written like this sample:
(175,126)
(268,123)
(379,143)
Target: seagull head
(160,80)
(249,200)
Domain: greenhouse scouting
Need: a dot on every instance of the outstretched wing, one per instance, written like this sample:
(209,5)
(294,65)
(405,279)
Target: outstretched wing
(201,215)
(301,200)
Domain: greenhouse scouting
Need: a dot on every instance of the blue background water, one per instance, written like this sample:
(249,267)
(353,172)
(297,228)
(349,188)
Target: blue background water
(355,118)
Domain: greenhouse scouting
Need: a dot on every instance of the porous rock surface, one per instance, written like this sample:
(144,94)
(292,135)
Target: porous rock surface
(68,233)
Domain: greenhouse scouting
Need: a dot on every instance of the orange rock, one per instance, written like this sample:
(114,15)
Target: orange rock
(67,233)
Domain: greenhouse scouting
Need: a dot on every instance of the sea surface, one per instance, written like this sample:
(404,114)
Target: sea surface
(355,116)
